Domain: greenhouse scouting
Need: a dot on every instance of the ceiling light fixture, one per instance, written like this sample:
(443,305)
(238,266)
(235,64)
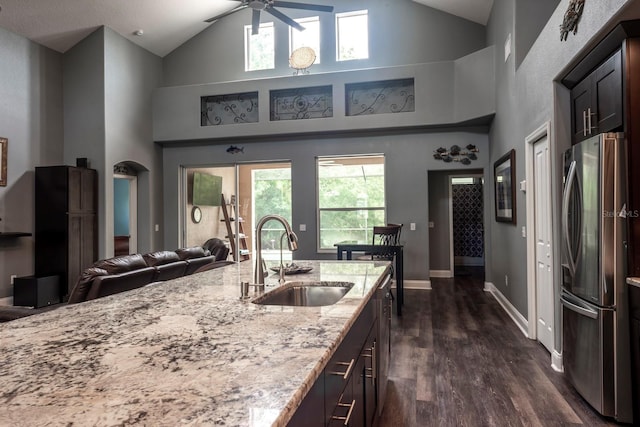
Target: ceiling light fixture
(138,32)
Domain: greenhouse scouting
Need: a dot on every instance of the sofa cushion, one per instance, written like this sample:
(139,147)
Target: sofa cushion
(188,253)
(83,285)
(122,264)
(161,257)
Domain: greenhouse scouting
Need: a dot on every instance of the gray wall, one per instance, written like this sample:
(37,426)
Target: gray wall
(401,32)
(108,84)
(526,99)
(131,75)
(439,245)
(31,119)
(530,18)
(408,158)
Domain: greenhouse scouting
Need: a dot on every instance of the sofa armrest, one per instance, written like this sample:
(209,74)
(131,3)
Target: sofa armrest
(195,263)
(116,283)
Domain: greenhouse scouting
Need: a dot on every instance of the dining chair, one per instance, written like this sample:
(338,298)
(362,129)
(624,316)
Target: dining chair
(384,235)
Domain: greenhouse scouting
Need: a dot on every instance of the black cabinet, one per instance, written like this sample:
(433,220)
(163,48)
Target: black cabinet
(66,237)
(597,100)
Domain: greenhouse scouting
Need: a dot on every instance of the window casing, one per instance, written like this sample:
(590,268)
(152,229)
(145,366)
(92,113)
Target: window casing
(310,37)
(352,35)
(259,49)
(351,199)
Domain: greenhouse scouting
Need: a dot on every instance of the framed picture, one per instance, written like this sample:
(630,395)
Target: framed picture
(3,161)
(504,172)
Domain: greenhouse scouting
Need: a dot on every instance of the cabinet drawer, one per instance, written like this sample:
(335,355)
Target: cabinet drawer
(345,361)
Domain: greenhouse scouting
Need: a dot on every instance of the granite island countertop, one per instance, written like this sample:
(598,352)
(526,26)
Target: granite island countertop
(183,352)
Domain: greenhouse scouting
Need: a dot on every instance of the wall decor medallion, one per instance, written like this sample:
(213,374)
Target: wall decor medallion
(456,154)
(571,18)
(301,59)
(4,142)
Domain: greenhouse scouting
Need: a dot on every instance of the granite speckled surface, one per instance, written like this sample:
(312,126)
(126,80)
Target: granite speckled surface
(183,352)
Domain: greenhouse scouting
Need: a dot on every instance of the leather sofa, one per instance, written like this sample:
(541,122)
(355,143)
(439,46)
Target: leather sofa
(123,273)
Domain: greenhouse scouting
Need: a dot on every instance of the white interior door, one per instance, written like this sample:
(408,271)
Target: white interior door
(543,255)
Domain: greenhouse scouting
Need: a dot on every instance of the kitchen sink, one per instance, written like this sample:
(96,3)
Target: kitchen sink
(308,294)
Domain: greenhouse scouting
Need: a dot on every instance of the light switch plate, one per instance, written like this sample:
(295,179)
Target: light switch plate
(303,227)
(413,226)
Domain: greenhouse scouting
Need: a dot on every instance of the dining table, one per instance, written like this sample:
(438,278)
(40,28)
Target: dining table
(392,251)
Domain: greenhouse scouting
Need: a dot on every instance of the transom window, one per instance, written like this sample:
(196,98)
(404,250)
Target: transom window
(310,37)
(352,35)
(259,49)
(351,198)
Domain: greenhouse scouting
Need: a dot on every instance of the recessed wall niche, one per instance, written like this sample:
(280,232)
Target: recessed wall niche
(380,97)
(230,109)
(301,103)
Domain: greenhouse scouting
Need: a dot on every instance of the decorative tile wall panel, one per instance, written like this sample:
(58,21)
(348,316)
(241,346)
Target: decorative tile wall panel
(468,233)
(302,103)
(230,109)
(381,97)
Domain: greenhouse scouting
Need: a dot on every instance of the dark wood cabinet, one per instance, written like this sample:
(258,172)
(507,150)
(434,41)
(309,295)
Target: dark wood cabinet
(66,237)
(597,100)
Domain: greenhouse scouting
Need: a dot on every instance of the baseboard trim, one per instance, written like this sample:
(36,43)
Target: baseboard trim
(441,274)
(515,315)
(417,284)
(556,361)
(6,301)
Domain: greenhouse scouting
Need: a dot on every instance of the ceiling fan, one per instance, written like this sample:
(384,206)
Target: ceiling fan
(269,6)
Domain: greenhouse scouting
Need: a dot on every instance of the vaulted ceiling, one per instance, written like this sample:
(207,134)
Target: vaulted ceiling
(166,24)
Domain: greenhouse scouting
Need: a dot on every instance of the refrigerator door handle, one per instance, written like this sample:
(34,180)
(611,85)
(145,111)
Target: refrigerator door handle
(565,216)
(578,307)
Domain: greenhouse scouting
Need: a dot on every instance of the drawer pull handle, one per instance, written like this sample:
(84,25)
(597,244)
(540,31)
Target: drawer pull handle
(348,417)
(345,374)
(373,368)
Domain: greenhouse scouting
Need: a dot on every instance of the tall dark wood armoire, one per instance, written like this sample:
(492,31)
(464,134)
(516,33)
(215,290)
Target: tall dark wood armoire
(66,240)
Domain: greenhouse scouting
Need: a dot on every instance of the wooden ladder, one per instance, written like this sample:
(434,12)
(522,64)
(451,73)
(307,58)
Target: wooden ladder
(229,215)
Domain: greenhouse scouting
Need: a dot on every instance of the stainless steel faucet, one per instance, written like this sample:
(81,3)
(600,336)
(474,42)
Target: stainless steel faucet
(292,241)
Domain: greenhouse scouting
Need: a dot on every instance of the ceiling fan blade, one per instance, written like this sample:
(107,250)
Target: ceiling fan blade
(284,18)
(255,22)
(292,5)
(234,10)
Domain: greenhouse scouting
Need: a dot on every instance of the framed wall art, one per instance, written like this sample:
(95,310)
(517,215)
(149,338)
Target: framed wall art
(504,172)
(4,142)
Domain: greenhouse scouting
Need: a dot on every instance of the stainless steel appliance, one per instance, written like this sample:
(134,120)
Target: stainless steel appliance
(595,317)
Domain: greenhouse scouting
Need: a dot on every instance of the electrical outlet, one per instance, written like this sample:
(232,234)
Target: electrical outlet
(506,280)
(12,278)
(303,227)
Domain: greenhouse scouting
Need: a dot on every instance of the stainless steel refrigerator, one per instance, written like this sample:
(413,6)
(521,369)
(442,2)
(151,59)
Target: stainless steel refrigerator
(595,317)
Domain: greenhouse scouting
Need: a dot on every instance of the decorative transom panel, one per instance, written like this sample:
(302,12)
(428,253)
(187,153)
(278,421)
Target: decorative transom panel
(381,97)
(230,109)
(302,103)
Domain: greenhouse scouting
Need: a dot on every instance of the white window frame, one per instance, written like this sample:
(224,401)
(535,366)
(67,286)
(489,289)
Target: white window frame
(304,22)
(339,16)
(247,46)
(319,210)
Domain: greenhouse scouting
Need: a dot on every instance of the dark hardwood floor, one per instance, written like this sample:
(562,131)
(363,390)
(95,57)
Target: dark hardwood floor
(459,360)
